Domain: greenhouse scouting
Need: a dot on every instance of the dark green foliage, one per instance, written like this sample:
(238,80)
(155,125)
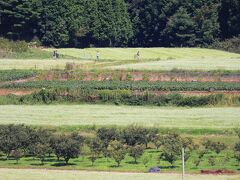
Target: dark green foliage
(117,151)
(231,45)
(17,154)
(14,137)
(41,151)
(136,152)
(151,23)
(67,146)
(214,146)
(229,18)
(10,75)
(128,85)
(96,147)
(134,135)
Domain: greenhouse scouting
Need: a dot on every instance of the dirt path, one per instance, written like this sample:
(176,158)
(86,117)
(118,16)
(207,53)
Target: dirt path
(39,174)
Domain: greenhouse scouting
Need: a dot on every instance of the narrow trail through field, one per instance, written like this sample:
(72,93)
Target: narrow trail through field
(39,174)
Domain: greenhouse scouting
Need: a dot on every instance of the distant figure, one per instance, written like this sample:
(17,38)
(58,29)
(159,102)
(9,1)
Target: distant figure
(137,56)
(55,54)
(98,55)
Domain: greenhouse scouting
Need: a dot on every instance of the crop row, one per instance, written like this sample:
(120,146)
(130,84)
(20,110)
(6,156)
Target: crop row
(128,85)
(10,75)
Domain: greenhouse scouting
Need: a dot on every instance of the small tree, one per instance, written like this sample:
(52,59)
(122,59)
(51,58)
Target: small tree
(17,154)
(158,141)
(145,160)
(136,152)
(197,162)
(170,156)
(117,151)
(212,161)
(95,149)
(237,157)
(41,151)
(214,146)
(237,152)
(67,146)
(218,147)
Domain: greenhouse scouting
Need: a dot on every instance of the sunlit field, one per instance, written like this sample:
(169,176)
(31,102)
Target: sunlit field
(145,53)
(105,115)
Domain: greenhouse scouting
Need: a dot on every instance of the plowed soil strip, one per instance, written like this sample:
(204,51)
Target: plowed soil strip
(4,92)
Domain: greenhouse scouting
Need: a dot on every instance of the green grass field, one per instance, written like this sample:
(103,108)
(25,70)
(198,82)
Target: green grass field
(146,53)
(76,115)
(186,64)
(34,174)
(123,58)
(6,64)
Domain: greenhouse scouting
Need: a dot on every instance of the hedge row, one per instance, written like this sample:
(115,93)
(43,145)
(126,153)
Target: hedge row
(129,85)
(119,97)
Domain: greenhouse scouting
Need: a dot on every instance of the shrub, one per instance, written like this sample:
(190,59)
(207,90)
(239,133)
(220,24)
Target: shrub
(231,45)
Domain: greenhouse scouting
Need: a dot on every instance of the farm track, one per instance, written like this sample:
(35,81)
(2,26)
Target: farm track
(38,174)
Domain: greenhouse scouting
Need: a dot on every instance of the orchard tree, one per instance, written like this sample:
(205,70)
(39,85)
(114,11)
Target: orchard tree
(117,151)
(17,154)
(41,151)
(67,146)
(136,152)
(95,146)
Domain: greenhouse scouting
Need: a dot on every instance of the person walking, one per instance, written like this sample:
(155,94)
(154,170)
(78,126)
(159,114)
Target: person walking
(98,56)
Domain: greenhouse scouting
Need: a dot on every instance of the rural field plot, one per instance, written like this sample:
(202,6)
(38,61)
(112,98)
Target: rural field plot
(104,115)
(145,53)
(45,64)
(34,174)
(186,64)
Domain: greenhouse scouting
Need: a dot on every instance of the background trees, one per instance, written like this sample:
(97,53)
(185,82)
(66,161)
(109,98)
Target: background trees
(102,23)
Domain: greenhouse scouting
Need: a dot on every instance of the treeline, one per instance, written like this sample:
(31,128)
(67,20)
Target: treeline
(101,23)
(18,141)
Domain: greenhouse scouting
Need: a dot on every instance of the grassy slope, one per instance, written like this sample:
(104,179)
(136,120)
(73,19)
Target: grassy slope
(168,58)
(72,115)
(186,64)
(146,53)
(15,174)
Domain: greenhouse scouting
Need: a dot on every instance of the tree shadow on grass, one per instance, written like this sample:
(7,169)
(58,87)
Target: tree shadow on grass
(167,167)
(60,164)
(114,166)
(132,162)
(37,164)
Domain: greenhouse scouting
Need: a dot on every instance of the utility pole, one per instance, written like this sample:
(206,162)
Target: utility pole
(183,164)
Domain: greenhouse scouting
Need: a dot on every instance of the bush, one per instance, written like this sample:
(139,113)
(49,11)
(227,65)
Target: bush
(231,45)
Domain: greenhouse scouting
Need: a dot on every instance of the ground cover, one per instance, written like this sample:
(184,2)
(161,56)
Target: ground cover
(35,174)
(145,53)
(6,64)
(128,85)
(186,64)
(107,115)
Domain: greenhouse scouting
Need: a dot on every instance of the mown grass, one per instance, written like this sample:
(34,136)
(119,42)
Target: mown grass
(153,59)
(34,174)
(107,115)
(186,64)
(128,164)
(45,64)
(145,53)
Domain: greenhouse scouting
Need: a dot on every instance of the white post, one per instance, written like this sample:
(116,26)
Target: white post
(183,164)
